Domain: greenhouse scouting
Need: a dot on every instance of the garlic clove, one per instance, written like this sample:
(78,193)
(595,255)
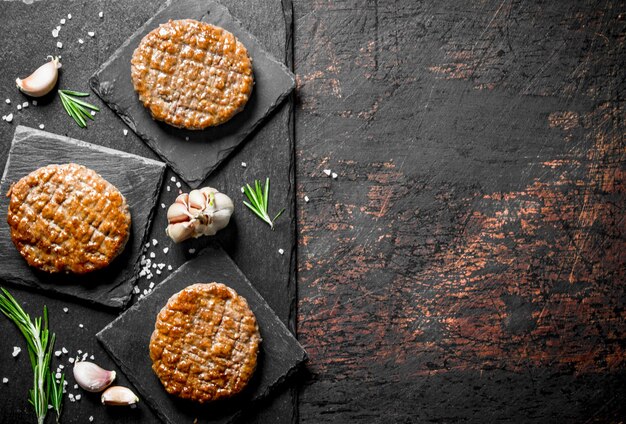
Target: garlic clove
(180,231)
(177,212)
(91,377)
(119,396)
(183,198)
(197,200)
(223,202)
(42,81)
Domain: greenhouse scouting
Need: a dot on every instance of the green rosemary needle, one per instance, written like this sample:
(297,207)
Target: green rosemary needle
(76,108)
(40,344)
(258,204)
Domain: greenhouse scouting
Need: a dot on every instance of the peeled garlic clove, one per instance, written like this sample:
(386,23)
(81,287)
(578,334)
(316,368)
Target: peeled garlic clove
(42,81)
(180,231)
(119,396)
(177,212)
(91,377)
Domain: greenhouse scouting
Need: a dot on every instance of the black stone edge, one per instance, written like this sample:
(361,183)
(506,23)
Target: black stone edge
(123,301)
(100,335)
(94,83)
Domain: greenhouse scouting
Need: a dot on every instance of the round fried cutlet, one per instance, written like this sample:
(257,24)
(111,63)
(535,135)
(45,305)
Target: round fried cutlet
(205,343)
(191,74)
(67,218)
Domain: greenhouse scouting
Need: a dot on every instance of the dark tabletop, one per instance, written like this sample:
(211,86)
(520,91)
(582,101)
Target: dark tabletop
(468,262)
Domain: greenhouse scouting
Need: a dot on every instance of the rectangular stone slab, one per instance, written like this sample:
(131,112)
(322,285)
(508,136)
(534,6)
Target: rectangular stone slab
(193,155)
(127,340)
(137,178)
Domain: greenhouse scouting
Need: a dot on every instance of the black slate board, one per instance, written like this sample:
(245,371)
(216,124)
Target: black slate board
(128,337)
(193,155)
(139,180)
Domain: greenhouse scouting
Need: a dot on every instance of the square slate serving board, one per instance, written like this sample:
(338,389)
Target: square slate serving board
(138,179)
(193,155)
(127,340)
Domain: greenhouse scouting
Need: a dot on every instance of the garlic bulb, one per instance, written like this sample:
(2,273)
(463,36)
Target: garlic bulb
(91,377)
(42,81)
(202,212)
(119,396)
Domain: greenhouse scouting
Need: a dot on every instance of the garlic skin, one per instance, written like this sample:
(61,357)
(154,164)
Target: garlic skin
(201,212)
(42,81)
(91,377)
(119,396)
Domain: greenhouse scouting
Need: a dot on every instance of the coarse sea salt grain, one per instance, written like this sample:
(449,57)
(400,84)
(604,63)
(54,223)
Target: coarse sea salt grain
(9,117)
(92,357)
(78,397)
(281,251)
(34,102)
(91,416)
(327,172)
(65,310)
(91,34)
(136,289)
(192,251)
(93,113)
(80,325)
(125,131)
(81,41)
(55,33)
(59,44)
(178,184)
(155,242)
(173,179)
(168,188)
(71,360)
(334,176)
(76,386)
(57,375)
(152,255)
(306,199)
(69,16)
(243,190)
(8,101)
(64,350)
(163,205)
(166,249)
(63,21)
(101,14)
(16,351)
(42,126)
(57,353)
(5,380)
(19,107)
(169,267)
(243,164)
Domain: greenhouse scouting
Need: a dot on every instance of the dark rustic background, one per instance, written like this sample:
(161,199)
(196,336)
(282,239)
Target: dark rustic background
(469,262)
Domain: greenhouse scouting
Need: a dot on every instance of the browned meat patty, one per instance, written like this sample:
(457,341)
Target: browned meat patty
(205,343)
(67,218)
(191,74)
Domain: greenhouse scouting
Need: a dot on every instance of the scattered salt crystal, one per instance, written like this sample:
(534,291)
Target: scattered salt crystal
(65,310)
(81,41)
(151,286)
(243,190)
(80,325)
(5,380)
(80,351)
(163,205)
(42,126)
(59,44)
(9,117)
(186,138)
(173,179)
(158,272)
(93,113)
(168,188)
(69,16)
(327,172)
(71,396)
(85,355)
(63,21)
(57,375)
(64,350)
(169,267)
(61,366)
(57,353)
(49,406)
(147,245)
(192,251)
(125,131)
(161,265)
(58,27)
(243,164)
(4,117)
(16,351)
(78,397)
(152,255)
(101,14)
(166,249)
(142,273)
(92,357)
(91,34)
(136,290)
(178,184)
(55,33)
(34,102)
(281,251)
(334,176)
(76,386)
(154,266)
(306,199)
(8,101)
(155,242)
(19,107)
(71,360)
(64,383)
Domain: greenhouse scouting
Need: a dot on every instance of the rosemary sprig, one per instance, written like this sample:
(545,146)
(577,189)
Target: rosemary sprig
(258,197)
(40,344)
(76,108)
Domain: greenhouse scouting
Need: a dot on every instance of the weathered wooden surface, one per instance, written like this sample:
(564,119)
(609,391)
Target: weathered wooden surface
(468,263)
